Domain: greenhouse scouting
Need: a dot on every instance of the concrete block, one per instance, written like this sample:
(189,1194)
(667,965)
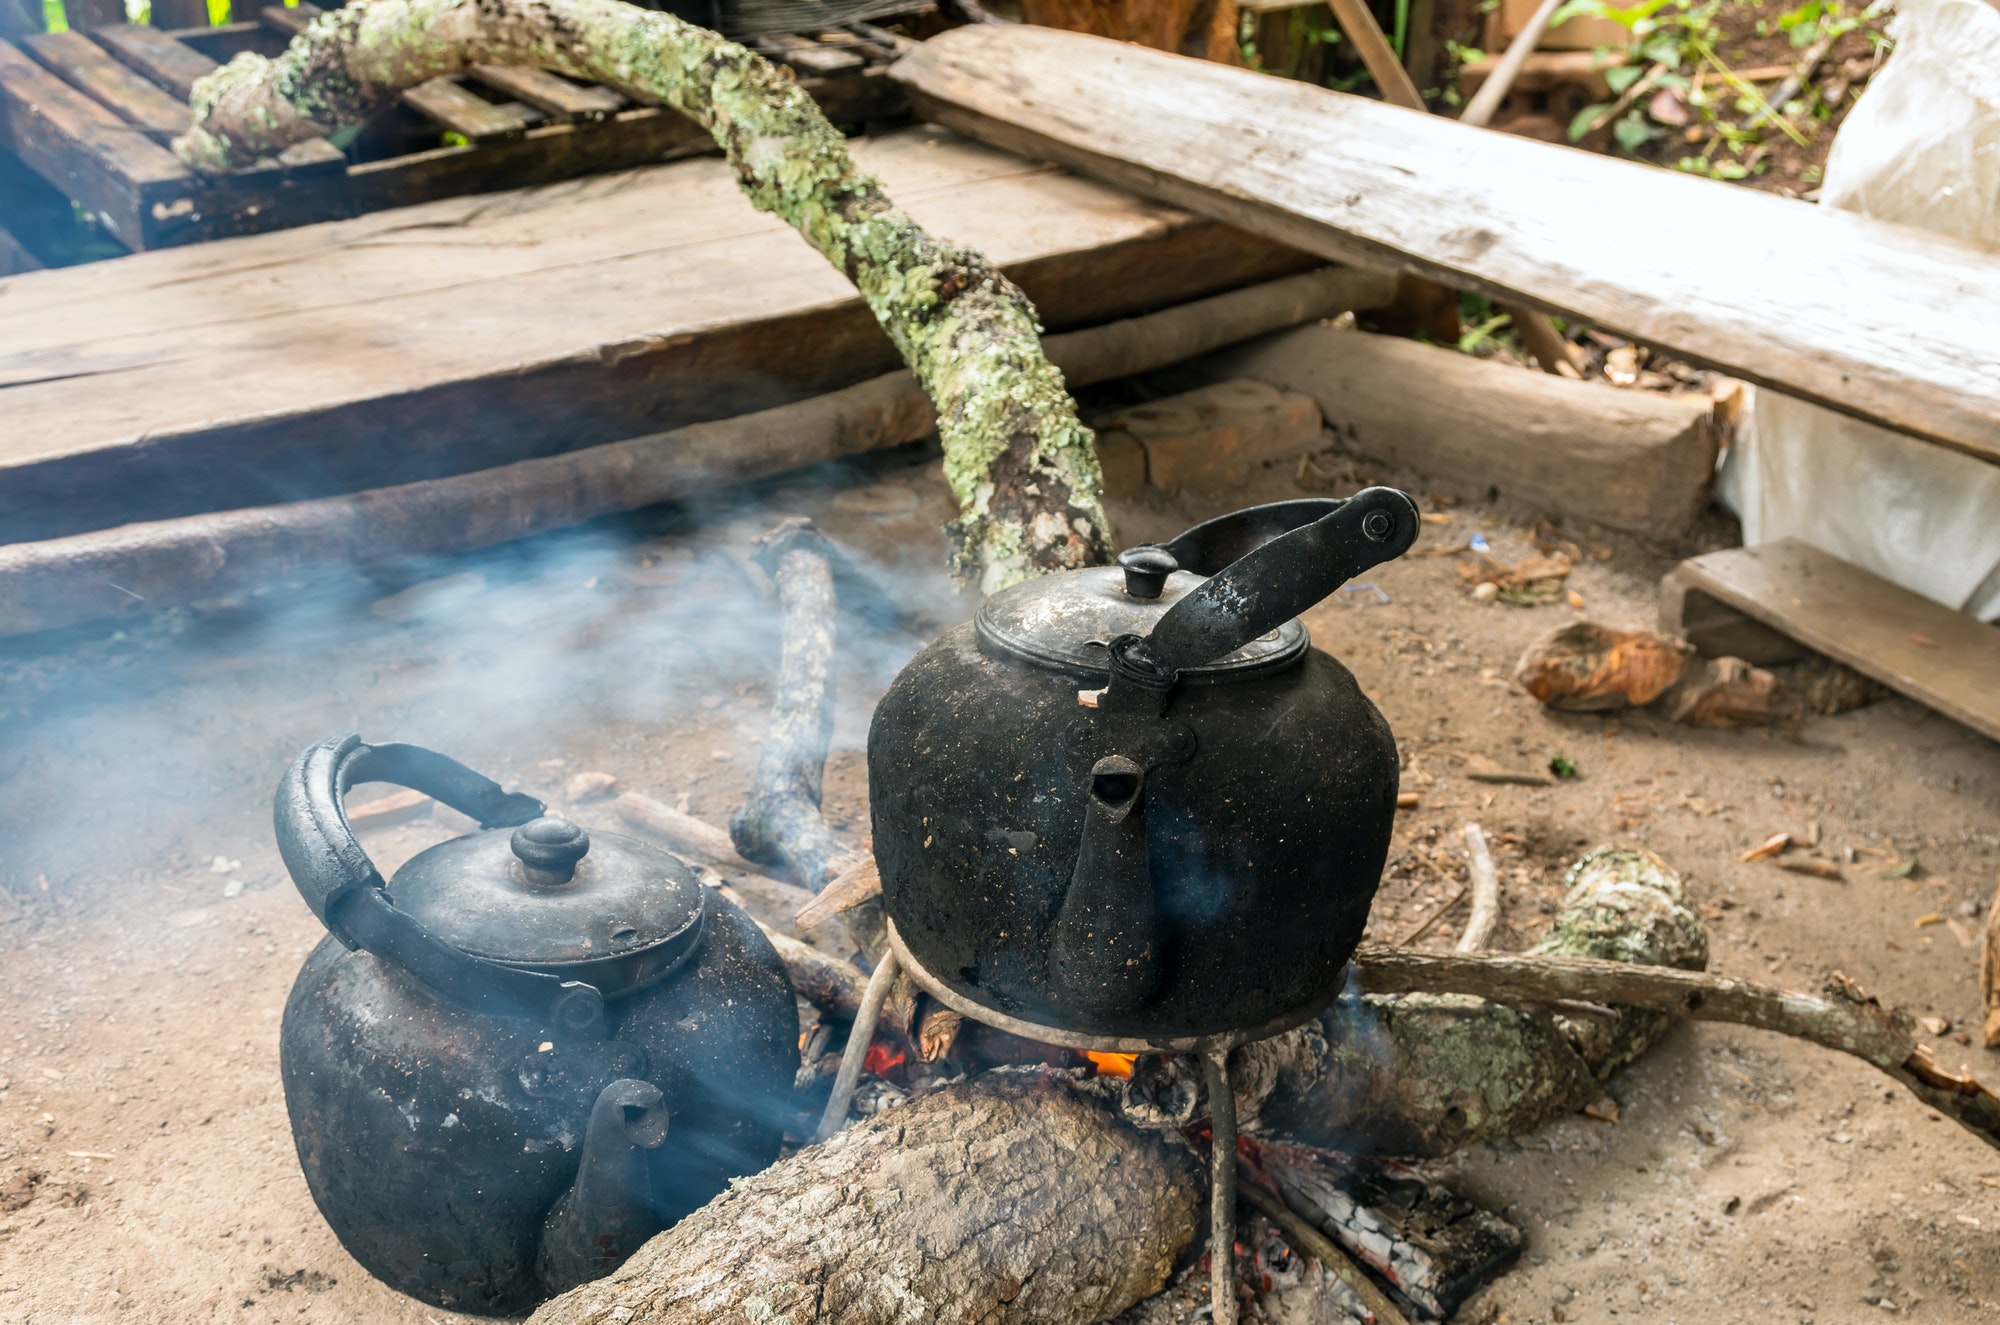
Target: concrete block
(1213,437)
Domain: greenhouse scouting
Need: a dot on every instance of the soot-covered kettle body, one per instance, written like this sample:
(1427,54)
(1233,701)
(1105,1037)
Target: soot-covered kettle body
(528,1052)
(1134,801)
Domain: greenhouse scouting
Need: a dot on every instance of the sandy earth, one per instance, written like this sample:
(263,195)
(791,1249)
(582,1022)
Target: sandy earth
(148,935)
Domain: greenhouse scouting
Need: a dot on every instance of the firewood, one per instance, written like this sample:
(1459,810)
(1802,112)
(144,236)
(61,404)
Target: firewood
(1485,917)
(780,824)
(1097,1213)
(854,885)
(676,829)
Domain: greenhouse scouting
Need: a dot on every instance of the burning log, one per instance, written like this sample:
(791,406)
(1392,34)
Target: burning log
(780,824)
(1023,467)
(1015,1197)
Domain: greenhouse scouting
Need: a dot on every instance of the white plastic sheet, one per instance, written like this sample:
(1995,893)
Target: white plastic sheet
(1921,147)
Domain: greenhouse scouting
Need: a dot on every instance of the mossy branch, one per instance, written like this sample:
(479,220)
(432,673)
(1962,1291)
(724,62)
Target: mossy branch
(1023,467)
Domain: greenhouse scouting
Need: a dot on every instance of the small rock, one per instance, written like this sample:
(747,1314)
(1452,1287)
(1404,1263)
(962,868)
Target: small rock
(1485,592)
(589,786)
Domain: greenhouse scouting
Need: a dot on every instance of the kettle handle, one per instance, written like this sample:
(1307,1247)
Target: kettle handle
(346,891)
(1271,583)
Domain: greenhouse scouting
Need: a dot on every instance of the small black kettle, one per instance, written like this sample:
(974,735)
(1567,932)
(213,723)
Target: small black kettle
(1132,801)
(530,1051)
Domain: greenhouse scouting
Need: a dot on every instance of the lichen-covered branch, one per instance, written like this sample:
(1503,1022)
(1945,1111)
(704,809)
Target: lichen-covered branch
(1023,467)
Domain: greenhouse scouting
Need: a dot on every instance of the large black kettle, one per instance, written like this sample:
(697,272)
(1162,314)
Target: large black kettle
(531,1050)
(1135,802)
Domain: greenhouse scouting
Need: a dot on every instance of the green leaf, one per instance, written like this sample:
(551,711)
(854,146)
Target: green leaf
(1563,767)
(1579,126)
(1633,132)
(1902,871)
(1622,77)
(1661,49)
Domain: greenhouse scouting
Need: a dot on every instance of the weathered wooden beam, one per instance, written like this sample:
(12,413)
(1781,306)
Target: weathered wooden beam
(62,581)
(1633,460)
(1904,336)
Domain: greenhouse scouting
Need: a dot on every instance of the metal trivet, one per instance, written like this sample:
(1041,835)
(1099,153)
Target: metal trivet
(1212,1051)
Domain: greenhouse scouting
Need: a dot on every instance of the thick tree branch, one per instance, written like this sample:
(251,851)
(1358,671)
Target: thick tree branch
(1022,466)
(1846,1018)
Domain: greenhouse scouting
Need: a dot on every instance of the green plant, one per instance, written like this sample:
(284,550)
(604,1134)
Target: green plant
(1563,767)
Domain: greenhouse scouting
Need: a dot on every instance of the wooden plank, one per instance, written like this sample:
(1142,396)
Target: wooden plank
(479,331)
(458,110)
(86,66)
(1906,334)
(812,57)
(1943,659)
(108,166)
(172,64)
(552,95)
(1633,460)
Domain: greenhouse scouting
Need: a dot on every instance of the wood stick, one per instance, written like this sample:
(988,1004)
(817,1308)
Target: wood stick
(1378,56)
(61,582)
(849,888)
(833,986)
(1309,1241)
(1843,1017)
(1538,333)
(1430,921)
(858,1039)
(1795,81)
(780,823)
(678,830)
(1479,926)
(1500,81)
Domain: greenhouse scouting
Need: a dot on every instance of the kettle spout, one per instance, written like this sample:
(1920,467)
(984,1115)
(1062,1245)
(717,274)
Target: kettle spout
(607,1213)
(1105,953)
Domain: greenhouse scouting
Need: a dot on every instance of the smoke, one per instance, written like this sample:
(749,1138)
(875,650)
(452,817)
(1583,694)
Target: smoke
(643,646)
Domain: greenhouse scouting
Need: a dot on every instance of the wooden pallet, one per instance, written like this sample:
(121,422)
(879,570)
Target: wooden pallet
(1776,602)
(470,332)
(93,112)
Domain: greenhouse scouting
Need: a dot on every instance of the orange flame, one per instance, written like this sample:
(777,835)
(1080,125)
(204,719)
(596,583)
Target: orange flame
(1112,1065)
(881,1058)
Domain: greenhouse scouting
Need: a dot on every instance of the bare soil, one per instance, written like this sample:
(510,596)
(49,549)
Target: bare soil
(148,934)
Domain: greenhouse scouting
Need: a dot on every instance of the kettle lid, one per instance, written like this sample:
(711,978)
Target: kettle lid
(551,896)
(1068,619)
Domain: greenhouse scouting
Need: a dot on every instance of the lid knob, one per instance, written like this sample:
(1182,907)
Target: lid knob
(1146,569)
(550,848)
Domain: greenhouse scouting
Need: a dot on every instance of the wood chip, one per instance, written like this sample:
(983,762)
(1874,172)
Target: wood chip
(1481,769)
(1768,848)
(1409,800)
(1934,1025)
(1823,869)
(1604,1109)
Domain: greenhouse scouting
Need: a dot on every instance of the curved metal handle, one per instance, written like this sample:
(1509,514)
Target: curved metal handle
(345,890)
(1264,588)
(1209,547)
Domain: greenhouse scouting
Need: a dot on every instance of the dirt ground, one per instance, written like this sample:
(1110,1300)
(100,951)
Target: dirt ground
(148,934)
